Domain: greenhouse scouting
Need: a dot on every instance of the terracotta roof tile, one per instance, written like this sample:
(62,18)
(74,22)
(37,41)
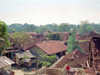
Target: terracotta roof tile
(75,58)
(84,46)
(28,44)
(52,47)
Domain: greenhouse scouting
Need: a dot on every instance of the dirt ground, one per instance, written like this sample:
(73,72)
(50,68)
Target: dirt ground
(18,72)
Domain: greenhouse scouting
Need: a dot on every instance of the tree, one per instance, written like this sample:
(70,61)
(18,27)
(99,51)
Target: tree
(43,29)
(54,36)
(49,60)
(29,27)
(85,27)
(4,36)
(19,38)
(64,27)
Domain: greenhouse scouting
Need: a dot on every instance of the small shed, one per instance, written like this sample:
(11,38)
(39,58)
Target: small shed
(5,64)
(25,57)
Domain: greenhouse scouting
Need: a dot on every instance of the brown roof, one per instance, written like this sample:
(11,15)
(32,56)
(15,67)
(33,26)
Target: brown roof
(64,35)
(4,61)
(65,59)
(74,58)
(89,71)
(80,58)
(8,51)
(93,33)
(52,47)
(89,36)
(85,46)
(28,44)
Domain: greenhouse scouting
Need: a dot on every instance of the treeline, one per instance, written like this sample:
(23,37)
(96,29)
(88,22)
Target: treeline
(83,27)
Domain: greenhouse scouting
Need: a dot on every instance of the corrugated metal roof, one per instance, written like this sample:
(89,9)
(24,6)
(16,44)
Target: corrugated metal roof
(4,61)
(23,54)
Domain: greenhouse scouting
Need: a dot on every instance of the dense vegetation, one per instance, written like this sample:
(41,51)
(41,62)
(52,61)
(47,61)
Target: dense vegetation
(54,36)
(48,60)
(83,27)
(4,36)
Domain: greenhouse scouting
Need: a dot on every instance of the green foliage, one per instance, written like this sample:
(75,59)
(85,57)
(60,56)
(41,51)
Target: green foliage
(19,38)
(54,36)
(22,60)
(49,60)
(4,35)
(64,27)
(83,27)
(21,28)
(48,64)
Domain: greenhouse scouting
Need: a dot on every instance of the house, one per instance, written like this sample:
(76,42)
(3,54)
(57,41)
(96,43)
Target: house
(35,38)
(34,35)
(5,65)
(28,44)
(74,59)
(25,57)
(49,48)
(63,35)
(41,37)
(94,52)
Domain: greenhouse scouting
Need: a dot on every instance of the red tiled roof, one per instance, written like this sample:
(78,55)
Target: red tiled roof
(28,44)
(65,59)
(75,56)
(52,47)
(80,58)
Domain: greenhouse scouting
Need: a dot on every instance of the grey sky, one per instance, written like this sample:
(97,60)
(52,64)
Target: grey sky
(49,11)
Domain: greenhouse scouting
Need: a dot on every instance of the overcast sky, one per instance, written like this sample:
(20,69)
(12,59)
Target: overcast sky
(49,11)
